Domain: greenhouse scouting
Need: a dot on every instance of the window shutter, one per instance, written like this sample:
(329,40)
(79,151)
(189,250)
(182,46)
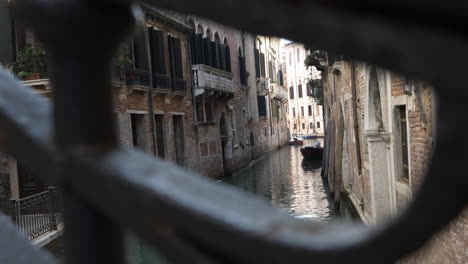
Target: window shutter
(178,58)
(161,57)
(207,50)
(222,57)
(261,105)
(262,65)
(270,71)
(214,55)
(243,71)
(281,77)
(170,42)
(193,52)
(228,58)
(151,35)
(257,63)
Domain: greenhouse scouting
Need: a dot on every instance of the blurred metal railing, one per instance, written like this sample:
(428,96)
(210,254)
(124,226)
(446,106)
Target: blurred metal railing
(187,218)
(37,214)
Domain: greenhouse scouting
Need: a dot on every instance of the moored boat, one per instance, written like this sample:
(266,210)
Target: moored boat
(296,141)
(312,152)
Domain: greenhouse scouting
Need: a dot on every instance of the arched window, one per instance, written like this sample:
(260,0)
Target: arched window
(225,41)
(217,39)
(200,29)
(208,34)
(239,52)
(191,24)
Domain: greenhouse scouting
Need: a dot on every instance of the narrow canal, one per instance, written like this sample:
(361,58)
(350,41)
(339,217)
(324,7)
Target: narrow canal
(288,182)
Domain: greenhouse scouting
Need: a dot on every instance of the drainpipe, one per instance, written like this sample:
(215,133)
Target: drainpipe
(150,93)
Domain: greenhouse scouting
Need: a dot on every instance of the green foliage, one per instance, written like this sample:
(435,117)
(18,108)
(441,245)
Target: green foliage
(317,90)
(30,60)
(122,59)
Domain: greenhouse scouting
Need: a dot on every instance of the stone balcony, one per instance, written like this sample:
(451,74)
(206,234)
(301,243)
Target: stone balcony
(279,92)
(207,78)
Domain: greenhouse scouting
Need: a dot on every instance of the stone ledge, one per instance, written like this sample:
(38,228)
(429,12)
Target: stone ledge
(48,237)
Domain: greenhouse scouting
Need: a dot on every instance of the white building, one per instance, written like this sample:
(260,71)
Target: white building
(305,116)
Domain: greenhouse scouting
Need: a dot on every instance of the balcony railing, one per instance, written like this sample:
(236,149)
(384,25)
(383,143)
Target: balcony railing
(179,85)
(161,81)
(137,77)
(209,78)
(37,214)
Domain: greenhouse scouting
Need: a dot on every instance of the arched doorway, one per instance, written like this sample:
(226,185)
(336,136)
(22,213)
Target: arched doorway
(226,145)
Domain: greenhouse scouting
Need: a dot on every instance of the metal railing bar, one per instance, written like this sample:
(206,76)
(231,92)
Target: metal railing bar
(16,249)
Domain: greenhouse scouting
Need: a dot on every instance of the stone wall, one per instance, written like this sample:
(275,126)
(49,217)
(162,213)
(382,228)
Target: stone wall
(449,246)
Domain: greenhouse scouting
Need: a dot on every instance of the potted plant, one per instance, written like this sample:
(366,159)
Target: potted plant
(31,62)
(122,60)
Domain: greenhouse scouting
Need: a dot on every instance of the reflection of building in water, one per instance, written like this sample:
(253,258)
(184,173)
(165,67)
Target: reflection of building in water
(380,135)
(281,179)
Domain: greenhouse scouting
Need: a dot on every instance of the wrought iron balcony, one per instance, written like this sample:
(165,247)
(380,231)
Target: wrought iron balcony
(137,77)
(209,78)
(162,82)
(179,85)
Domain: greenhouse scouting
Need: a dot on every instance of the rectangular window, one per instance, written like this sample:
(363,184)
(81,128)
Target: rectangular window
(138,130)
(311,125)
(262,65)
(294,112)
(310,110)
(204,112)
(175,59)
(401,115)
(157,54)
(179,139)
(318,124)
(257,63)
(291,92)
(242,71)
(262,111)
(159,120)
(295,126)
(303,125)
(299,90)
(302,111)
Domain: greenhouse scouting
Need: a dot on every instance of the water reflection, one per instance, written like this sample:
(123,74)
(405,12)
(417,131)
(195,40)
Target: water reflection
(289,182)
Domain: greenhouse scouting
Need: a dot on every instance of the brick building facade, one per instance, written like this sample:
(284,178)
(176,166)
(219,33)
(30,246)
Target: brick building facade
(383,124)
